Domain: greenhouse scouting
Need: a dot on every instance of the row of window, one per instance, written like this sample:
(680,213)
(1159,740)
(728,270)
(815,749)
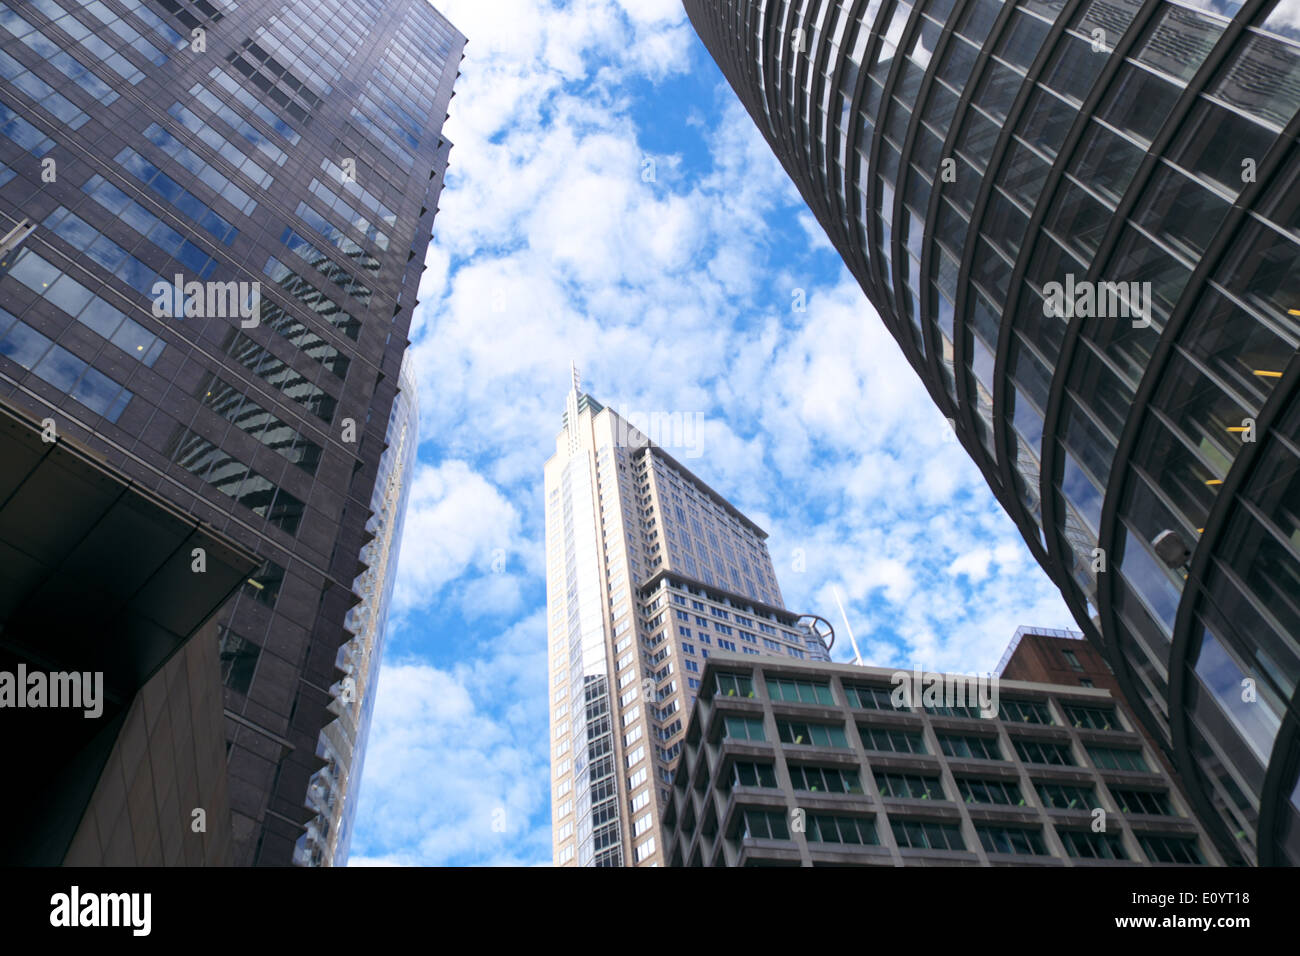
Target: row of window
(326,266)
(279,374)
(865,697)
(235,479)
(193,257)
(338,238)
(53,54)
(54,364)
(177,196)
(754,823)
(311,297)
(237,408)
(958,746)
(71,297)
(91,45)
(238,123)
(236,156)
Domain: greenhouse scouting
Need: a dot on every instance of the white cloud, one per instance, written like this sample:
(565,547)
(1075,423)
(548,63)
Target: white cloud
(455,520)
(457,754)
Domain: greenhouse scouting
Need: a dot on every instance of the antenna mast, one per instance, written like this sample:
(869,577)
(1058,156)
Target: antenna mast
(857,657)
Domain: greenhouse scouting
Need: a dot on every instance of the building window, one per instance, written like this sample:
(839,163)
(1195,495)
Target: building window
(1093,718)
(1043,751)
(763,825)
(856,831)
(909,786)
(645,849)
(76,300)
(1153,802)
(1169,849)
(236,480)
(956,710)
(743,728)
(1092,846)
(1117,758)
(1072,659)
(734,685)
(891,741)
(820,735)
(1019,840)
(264,585)
(825,779)
(979,748)
(799,691)
(231,404)
(926,835)
(1026,712)
(22,344)
(747,774)
(238,661)
(872,698)
(1005,792)
(1064,796)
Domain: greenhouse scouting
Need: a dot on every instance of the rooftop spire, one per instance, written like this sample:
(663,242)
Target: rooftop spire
(577,379)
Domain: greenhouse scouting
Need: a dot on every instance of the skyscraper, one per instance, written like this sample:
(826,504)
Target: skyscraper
(1078,219)
(334,788)
(649,570)
(216,214)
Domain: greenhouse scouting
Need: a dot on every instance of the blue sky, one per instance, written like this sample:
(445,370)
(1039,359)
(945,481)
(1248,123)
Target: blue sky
(673,292)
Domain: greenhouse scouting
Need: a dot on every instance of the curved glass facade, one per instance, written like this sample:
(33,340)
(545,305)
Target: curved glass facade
(335,787)
(1081,221)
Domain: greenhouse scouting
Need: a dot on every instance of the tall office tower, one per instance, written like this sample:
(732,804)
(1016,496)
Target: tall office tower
(1079,220)
(334,788)
(799,763)
(216,215)
(648,570)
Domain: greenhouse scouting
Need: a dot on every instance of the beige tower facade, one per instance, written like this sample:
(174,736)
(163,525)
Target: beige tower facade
(648,571)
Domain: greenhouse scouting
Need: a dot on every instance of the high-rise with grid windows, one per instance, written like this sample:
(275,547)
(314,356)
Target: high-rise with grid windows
(803,763)
(1079,219)
(648,572)
(215,214)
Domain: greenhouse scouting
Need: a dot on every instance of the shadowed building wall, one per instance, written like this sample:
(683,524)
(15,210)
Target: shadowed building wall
(297,146)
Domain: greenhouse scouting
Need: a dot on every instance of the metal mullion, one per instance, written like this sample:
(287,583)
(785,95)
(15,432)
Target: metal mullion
(835,73)
(901,331)
(1051,560)
(1278,404)
(926,292)
(805,132)
(1225,46)
(966,403)
(867,272)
